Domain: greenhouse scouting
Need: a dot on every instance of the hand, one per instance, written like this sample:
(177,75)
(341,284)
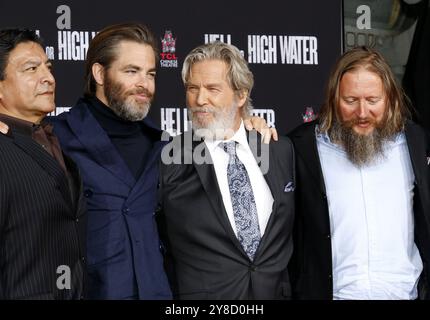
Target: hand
(4,128)
(261,126)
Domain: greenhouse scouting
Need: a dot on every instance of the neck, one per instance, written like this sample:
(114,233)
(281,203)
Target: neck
(229,133)
(100,95)
(34,118)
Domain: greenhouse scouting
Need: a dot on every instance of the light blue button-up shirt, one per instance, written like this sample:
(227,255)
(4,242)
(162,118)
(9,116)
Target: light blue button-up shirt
(372,223)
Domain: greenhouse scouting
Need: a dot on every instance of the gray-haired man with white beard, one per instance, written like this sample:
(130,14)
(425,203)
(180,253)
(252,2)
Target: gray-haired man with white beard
(227,219)
(363,190)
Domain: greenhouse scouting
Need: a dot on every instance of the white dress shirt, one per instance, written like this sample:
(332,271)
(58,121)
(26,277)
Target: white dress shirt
(372,223)
(262,194)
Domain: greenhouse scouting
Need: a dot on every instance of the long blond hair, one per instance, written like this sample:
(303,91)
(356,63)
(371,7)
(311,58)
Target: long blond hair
(364,57)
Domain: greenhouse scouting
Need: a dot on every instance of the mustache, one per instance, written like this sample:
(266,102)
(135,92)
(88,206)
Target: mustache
(202,109)
(357,120)
(141,91)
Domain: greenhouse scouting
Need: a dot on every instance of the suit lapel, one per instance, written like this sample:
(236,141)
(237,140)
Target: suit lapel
(417,151)
(265,158)
(305,146)
(260,152)
(97,143)
(207,176)
(75,182)
(47,162)
(418,154)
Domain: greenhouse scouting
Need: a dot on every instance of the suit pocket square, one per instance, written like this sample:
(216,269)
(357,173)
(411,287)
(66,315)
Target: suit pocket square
(289,187)
(428,161)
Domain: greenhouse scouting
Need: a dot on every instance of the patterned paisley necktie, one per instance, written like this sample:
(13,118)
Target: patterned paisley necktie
(243,201)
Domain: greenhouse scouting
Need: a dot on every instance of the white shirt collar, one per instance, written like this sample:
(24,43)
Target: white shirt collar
(239,136)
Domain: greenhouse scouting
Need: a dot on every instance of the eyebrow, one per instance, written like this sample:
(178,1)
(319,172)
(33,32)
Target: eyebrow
(133,66)
(32,62)
(37,62)
(130,66)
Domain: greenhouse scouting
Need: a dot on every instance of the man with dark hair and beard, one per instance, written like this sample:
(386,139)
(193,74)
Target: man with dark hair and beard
(117,150)
(363,190)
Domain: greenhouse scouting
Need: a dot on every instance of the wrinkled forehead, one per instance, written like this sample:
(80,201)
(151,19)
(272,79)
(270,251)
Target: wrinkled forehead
(26,51)
(208,70)
(127,51)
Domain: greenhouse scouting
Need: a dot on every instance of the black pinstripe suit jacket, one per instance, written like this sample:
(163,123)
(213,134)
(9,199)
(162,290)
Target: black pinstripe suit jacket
(42,223)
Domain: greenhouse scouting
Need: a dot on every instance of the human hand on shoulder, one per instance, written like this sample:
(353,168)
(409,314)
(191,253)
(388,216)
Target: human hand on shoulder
(4,129)
(261,126)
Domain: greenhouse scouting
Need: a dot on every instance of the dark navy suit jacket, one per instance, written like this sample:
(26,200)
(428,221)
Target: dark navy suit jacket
(123,247)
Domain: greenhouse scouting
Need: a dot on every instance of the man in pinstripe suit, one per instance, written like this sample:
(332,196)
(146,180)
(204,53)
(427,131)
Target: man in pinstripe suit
(41,208)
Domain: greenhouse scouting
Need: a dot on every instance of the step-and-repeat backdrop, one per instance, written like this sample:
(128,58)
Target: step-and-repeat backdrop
(289,45)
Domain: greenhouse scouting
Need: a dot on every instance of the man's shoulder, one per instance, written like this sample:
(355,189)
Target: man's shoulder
(10,150)
(79,107)
(5,139)
(283,146)
(305,129)
(283,141)
(413,128)
(176,148)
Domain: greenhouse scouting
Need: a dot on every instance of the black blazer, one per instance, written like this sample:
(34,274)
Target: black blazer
(42,222)
(311,265)
(204,258)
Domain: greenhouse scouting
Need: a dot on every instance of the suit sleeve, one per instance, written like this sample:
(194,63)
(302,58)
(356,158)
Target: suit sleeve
(4,207)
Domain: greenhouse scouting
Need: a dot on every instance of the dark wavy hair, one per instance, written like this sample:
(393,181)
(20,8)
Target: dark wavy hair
(9,40)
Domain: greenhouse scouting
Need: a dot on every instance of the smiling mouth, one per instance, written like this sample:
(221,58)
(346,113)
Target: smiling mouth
(142,97)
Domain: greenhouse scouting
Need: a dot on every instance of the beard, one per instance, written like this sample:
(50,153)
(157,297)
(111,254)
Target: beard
(121,102)
(361,149)
(221,125)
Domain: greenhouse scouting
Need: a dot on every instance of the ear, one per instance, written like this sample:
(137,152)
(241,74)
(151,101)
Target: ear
(242,96)
(98,73)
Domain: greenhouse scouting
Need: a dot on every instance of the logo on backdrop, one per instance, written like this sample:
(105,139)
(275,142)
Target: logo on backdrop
(72,44)
(275,49)
(168,57)
(309,115)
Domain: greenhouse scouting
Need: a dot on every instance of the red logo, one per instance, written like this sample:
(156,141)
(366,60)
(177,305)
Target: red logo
(168,47)
(309,115)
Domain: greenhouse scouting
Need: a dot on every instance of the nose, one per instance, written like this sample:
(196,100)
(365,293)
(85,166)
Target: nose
(363,110)
(201,97)
(47,76)
(143,82)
